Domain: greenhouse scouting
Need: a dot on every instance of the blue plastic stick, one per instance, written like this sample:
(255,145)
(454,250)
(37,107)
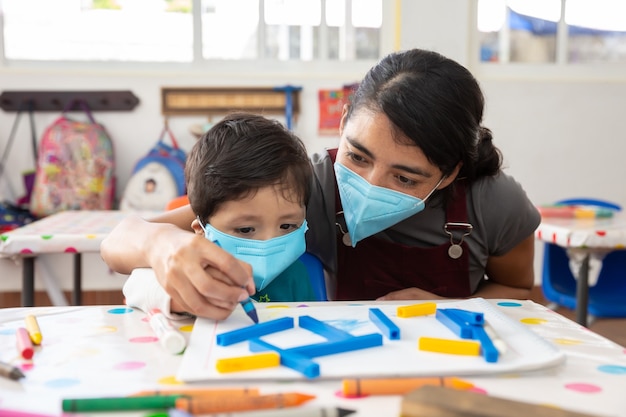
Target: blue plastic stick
(471,317)
(457,325)
(384,324)
(327,331)
(254,331)
(489,350)
(299,363)
(339,346)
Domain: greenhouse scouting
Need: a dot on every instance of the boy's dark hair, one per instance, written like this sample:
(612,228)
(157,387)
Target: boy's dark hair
(241,154)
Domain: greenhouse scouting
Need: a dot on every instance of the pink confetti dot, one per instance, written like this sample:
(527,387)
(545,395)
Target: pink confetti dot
(340,394)
(70,250)
(582,387)
(129,366)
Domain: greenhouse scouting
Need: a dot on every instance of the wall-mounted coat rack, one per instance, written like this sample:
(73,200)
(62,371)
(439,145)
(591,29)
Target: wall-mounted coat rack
(11,101)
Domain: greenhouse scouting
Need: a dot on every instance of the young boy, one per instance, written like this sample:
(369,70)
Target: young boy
(248,182)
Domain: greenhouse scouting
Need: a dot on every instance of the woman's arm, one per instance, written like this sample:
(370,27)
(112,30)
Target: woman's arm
(200,277)
(512,274)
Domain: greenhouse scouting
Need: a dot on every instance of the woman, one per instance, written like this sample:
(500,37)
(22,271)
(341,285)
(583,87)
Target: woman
(412,205)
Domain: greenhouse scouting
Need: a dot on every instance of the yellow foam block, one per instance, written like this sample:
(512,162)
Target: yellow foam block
(422,309)
(455,347)
(246,363)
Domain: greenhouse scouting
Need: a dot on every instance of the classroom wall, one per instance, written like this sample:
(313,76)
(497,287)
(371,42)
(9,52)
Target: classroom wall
(561,136)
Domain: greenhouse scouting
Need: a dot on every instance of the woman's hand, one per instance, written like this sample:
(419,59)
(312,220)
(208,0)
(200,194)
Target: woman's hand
(201,278)
(409,294)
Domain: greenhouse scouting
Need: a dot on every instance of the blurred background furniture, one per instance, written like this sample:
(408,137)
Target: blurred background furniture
(584,263)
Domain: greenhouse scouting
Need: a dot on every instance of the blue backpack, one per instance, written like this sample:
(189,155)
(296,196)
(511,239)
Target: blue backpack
(157,178)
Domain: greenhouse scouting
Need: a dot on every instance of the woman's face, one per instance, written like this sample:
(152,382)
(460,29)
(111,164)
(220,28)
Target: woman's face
(367,147)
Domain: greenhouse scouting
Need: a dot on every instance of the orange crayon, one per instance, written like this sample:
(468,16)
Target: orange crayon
(200,392)
(204,405)
(397,386)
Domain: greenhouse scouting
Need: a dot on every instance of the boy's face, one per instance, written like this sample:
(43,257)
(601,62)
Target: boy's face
(264,215)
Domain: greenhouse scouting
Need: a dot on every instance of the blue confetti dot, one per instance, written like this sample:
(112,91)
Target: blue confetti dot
(613,369)
(8,332)
(62,383)
(121,310)
(509,304)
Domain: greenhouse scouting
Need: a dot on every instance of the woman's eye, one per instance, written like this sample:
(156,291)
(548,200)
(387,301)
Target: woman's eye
(406,181)
(355,157)
(245,230)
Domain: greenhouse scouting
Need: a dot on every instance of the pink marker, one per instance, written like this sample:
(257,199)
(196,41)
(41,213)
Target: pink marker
(24,344)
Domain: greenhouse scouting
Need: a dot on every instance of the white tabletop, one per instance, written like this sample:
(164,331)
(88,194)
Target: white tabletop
(66,231)
(601,233)
(97,351)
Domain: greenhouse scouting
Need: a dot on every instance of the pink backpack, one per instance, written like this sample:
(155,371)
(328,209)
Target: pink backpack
(75,166)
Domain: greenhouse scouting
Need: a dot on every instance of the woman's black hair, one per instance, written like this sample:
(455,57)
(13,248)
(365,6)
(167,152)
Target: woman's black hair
(435,104)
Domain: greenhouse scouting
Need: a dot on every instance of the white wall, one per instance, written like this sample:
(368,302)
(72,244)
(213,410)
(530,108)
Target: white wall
(560,133)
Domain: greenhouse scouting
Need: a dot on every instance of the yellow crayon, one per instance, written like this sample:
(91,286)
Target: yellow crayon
(455,347)
(422,309)
(33,329)
(246,363)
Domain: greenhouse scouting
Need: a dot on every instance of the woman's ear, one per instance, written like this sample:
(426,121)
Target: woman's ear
(195,225)
(450,178)
(344,115)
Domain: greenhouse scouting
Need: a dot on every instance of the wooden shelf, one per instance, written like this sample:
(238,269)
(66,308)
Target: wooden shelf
(176,101)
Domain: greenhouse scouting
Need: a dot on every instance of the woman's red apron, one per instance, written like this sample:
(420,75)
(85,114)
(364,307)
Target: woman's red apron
(376,267)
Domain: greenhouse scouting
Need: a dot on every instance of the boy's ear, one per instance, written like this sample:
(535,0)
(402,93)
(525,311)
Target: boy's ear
(195,225)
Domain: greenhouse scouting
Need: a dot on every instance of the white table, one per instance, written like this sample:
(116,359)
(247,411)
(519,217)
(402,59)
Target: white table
(72,232)
(96,351)
(582,237)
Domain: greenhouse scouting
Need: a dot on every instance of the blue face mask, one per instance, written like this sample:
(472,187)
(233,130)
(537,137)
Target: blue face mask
(268,258)
(369,209)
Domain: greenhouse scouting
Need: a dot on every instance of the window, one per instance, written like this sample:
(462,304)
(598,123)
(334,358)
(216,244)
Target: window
(163,30)
(552,31)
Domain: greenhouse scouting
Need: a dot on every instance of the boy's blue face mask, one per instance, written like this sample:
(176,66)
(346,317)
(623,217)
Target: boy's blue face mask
(268,258)
(369,209)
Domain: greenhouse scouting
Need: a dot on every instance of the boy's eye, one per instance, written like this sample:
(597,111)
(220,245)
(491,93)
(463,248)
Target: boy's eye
(288,226)
(245,230)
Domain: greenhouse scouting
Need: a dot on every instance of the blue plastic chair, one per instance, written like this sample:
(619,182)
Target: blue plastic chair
(315,270)
(607,298)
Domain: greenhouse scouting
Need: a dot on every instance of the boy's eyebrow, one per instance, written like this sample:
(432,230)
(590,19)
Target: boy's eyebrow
(406,168)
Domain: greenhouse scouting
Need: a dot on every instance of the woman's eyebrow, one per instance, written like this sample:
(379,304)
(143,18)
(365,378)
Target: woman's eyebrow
(413,170)
(360,147)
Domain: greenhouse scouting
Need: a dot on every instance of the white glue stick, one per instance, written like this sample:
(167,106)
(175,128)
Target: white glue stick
(172,340)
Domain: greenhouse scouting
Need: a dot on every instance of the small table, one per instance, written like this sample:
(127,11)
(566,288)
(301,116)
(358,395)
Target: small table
(73,232)
(582,237)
